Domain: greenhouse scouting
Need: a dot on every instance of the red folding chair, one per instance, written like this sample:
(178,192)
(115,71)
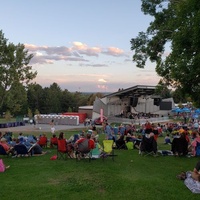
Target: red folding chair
(43,141)
(53,142)
(63,149)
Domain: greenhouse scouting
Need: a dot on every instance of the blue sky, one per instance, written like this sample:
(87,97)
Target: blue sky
(82,45)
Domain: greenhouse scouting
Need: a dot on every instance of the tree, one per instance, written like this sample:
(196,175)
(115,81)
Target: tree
(92,97)
(34,96)
(162,90)
(175,26)
(14,67)
(16,99)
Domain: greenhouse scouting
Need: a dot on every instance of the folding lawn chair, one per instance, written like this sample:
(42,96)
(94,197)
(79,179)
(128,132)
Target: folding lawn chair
(108,150)
(83,150)
(120,143)
(62,151)
(43,141)
(96,152)
(2,151)
(129,145)
(148,146)
(53,142)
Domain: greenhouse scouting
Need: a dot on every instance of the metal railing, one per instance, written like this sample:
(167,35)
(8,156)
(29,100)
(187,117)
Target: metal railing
(121,120)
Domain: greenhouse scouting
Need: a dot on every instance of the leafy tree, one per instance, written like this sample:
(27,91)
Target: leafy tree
(92,97)
(16,99)
(175,27)
(54,97)
(34,96)
(14,67)
(8,115)
(66,98)
(69,109)
(30,114)
(179,95)
(162,90)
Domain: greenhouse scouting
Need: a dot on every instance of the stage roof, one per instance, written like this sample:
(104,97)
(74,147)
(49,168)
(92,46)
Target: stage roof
(136,91)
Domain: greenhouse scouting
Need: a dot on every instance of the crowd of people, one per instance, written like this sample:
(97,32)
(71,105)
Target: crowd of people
(183,138)
(33,144)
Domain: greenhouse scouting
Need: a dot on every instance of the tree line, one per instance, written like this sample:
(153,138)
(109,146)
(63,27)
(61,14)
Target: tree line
(34,99)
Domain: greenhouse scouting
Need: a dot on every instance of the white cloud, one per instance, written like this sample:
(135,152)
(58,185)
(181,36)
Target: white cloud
(77,52)
(102,80)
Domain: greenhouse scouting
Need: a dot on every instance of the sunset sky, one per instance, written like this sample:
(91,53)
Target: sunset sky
(82,45)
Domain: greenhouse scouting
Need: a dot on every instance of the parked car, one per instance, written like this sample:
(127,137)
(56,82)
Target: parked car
(98,121)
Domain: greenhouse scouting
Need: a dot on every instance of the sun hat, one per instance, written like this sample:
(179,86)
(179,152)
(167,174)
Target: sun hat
(3,139)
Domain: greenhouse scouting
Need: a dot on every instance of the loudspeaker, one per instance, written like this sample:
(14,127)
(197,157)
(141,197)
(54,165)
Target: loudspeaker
(156,101)
(133,101)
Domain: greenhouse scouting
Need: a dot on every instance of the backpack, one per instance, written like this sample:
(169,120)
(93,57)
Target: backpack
(2,166)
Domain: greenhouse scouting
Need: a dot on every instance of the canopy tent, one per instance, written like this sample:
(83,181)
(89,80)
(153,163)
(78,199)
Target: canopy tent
(179,110)
(185,109)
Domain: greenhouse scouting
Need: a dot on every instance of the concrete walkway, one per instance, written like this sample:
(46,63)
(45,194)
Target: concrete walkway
(40,128)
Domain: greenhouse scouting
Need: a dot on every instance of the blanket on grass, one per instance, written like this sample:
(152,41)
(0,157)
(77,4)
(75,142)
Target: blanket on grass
(191,184)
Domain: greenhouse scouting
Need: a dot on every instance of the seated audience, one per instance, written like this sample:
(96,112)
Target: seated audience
(180,145)
(192,179)
(34,147)
(21,137)
(69,145)
(120,143)
(148,144)
(8,148)
(84,146)
(53,141)
(43,140)
(194,144)
(167,139)
(137,142)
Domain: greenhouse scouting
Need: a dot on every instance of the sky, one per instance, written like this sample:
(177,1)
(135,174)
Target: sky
(82,45)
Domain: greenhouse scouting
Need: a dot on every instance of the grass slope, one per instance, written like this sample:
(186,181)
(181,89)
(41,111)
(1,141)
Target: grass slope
(130,176)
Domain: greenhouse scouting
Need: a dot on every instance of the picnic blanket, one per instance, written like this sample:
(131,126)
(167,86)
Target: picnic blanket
(191,184)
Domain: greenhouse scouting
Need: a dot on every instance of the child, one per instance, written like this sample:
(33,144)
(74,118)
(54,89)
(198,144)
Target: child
(167,139)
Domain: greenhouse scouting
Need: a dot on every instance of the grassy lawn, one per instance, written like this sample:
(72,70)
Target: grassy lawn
(130,176)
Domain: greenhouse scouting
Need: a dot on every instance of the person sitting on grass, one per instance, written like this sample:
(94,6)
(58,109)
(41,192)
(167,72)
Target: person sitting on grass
(120,143)
(84,145)
(34,147)
(43,140)
(68,144)
(167,139)
(8,148)
(180,145)
(53,141)
(192,178)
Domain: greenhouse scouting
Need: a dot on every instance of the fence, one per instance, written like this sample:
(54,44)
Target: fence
(137,121)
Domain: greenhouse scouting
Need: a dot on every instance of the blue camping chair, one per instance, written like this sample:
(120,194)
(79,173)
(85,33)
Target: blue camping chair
(3,152)
(21,150)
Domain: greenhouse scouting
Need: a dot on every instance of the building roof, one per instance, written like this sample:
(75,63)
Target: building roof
(86,107)
(135,91)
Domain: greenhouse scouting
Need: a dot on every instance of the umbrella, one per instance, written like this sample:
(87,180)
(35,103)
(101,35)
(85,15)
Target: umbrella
(176,110)
(185,110)
(195,116)
(197,110)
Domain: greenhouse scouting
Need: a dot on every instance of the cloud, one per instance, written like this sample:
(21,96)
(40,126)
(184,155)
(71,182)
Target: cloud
(77,52)
(102,80)
(92,65)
